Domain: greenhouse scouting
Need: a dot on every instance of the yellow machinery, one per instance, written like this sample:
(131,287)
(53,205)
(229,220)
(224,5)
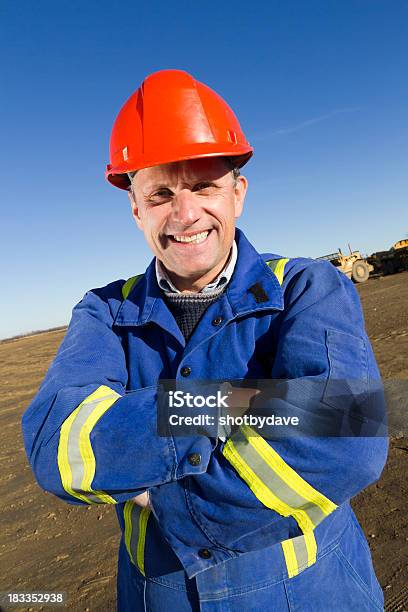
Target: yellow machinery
(401,244)
(353,265)
(394,260)
(358,268)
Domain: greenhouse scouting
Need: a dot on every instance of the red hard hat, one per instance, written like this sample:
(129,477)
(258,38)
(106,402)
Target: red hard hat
(173,117)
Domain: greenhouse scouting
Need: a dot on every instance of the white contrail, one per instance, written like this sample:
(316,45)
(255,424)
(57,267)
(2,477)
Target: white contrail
(308,122)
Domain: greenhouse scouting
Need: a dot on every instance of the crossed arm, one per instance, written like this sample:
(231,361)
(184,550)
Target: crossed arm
(247,491)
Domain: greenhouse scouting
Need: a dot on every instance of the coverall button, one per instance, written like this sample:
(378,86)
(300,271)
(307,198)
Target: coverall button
(204,553)
(217,321)
(185,371)
(194,459)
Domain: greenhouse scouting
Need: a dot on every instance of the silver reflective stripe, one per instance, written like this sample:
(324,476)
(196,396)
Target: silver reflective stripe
(299,546)
(75,457)
(74,453)
(274,483)
(299,553)
(136,520)
(134,537)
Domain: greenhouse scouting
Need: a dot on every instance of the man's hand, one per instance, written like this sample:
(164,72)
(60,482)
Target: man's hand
(239,399)
(142,499)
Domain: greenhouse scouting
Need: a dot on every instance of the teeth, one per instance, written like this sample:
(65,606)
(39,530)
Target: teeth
(197,238)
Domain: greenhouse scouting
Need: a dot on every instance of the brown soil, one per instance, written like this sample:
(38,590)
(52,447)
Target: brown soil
(47,545)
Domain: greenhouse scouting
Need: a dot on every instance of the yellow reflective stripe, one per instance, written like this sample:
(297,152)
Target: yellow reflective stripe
(299,553)
(136,518)
(287,493)
(76,460)
(290,558)
(143,518)
(262,491)
(288,474)
(62,458)
(86,450)
(311,547)
(127,515)
(278,268)
(128,285)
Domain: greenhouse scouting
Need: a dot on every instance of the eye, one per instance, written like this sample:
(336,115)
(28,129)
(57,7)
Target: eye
(204,185)
(161,195)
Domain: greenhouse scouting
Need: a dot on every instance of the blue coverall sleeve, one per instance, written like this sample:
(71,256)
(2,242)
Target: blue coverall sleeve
(261,489)
(87,439)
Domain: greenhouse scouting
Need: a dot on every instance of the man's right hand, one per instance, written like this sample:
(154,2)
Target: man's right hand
(141,500)
(239,399)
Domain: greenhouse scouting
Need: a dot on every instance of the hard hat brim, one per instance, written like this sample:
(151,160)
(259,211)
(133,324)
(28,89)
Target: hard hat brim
(118,177)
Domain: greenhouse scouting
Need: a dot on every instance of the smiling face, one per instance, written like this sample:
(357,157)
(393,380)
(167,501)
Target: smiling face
(187,212)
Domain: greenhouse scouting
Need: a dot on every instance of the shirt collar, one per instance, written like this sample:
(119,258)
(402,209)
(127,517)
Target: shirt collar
(253,287)
(222,279)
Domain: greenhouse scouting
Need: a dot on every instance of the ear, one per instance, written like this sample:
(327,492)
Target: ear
(240,190)
(135,210)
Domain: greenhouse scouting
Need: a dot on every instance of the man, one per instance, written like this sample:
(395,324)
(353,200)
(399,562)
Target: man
(213,518)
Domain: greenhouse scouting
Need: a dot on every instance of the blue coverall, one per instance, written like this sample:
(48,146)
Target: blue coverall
(255,522)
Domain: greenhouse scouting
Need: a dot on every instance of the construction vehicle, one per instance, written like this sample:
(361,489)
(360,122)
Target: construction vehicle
(358,268)
(391,261)
(353,265)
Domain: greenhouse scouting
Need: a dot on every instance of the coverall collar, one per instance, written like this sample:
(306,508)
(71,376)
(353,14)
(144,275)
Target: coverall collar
(223,278)
(253,287)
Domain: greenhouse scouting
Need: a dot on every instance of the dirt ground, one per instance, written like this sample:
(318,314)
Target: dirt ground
(49,545)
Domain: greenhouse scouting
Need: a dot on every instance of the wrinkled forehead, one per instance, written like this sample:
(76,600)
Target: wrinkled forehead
(209,168)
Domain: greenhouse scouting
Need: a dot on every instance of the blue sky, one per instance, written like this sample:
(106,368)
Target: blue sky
(320,88)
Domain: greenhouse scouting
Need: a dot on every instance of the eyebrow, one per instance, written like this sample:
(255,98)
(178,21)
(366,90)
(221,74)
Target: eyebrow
(155,186)
(162,185)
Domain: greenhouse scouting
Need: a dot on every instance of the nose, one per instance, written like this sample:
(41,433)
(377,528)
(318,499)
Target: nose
(185,208)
